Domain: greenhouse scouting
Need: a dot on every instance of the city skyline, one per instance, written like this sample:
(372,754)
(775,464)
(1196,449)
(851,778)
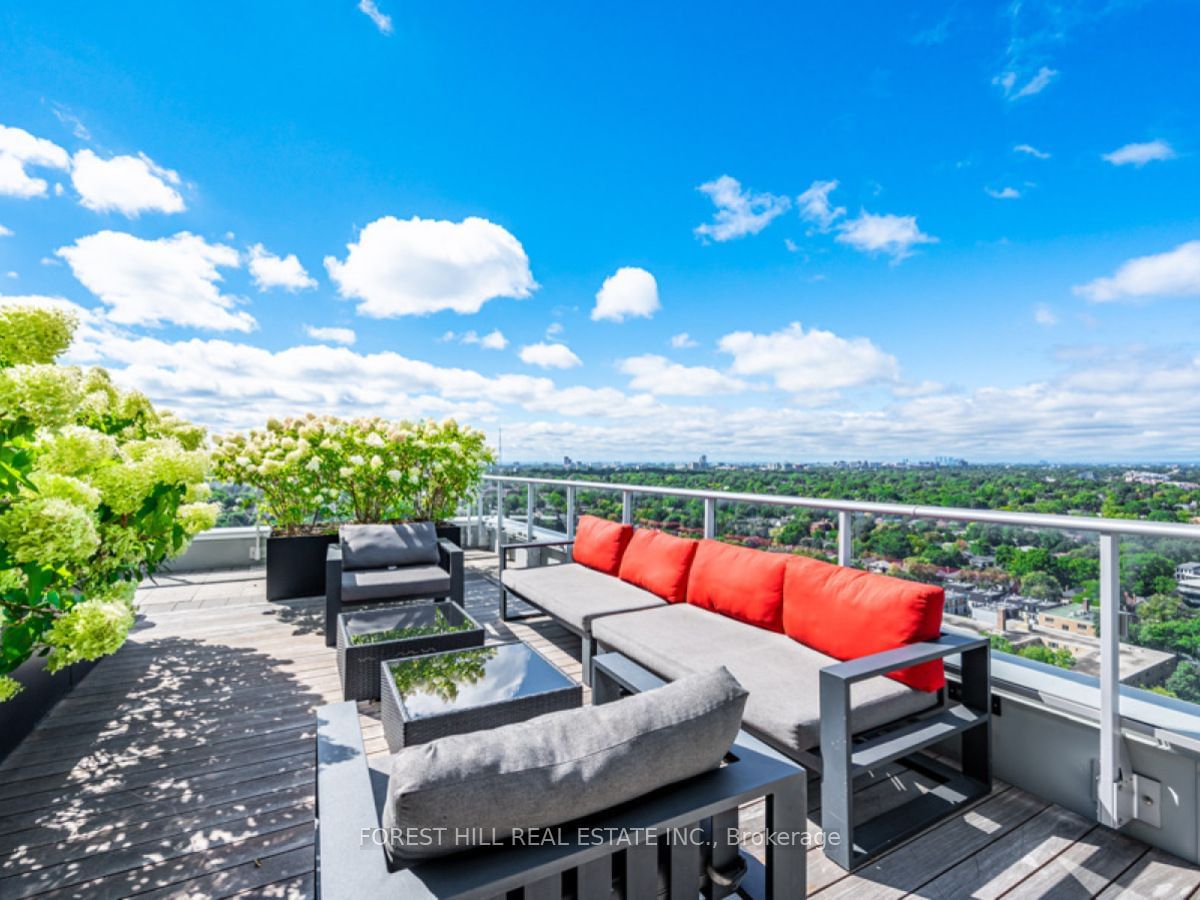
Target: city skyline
(630,233)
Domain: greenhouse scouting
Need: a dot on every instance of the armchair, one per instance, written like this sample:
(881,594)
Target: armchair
(373,563)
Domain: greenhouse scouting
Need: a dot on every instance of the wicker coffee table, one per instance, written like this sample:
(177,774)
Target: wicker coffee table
(366,639)
(427,697)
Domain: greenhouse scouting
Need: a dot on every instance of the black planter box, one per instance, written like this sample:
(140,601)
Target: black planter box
(42,690)
(296,566)
(450,532)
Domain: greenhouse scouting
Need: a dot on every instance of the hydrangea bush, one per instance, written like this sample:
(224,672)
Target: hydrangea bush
(97,488)
(316,470)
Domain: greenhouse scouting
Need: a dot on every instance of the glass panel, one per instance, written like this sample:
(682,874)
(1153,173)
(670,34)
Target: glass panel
(445,682)
(1160,616)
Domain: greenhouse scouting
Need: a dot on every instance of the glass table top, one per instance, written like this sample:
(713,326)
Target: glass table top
(439,683)
(409,621)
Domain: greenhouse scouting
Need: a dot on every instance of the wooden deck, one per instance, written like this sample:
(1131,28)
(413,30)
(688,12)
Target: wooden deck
(183,766)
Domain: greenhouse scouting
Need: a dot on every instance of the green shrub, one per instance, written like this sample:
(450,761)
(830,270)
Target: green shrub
(316,470)
(97,488)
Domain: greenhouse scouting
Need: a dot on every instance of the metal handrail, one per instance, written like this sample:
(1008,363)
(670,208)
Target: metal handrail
(1094,524)
(1113,806)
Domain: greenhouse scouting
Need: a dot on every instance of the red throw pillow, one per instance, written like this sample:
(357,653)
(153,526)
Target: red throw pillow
(738,582)
(659,563)
(599,543)
(847,613)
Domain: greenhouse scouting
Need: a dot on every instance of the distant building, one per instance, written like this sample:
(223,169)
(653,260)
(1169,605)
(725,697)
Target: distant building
(1141,477)
(1187,570)
(1072,618)
(1187,578)
(980,561)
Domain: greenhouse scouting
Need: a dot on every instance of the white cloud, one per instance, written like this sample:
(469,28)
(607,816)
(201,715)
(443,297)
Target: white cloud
(660,376)
(1175,273)
(1045,316)
(126,184)
(1142,404)
(344,336)
(1029,150)
(493,340)
(1007,82)
(371,10)
(173,279)
(739,212)
(893,235)
(417,266)
(1140,154)
(13,274)
(815,207)
(270,271)
(18,149)
(554,328)
(550,356)
(5,232)
(812,361)
(1005,193)
(682,341)
(629,292)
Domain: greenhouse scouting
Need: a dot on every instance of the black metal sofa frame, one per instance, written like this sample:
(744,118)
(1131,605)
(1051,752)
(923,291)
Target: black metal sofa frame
(846,756)
(843,754)
(588,643)
(351,865)
(450,558)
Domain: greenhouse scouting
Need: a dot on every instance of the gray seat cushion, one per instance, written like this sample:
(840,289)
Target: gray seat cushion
(781,675)
(576,594)
(557,767)
(380,546)
(382,584)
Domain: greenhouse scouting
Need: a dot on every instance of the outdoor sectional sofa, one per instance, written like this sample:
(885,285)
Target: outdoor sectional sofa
(844,667)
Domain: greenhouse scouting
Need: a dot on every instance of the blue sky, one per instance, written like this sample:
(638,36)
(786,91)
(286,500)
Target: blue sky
(1005,269)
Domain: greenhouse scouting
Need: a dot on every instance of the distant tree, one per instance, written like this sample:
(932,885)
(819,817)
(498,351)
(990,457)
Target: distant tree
(1041,586)
(1025,562)
(1061,657)
(1176,635)
(1184,682)
(1146,573)
(1000,643)
(1161,608)
(890,543)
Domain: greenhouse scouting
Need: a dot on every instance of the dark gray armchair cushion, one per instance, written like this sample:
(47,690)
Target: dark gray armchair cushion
(361,585)
(557,767)
(381,546)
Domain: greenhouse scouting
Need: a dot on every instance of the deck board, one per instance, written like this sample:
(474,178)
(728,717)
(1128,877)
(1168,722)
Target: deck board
(183,766)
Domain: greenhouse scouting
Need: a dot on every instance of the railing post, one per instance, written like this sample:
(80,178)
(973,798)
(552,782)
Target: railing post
(710,518)
(845,543)
(499,515)
(530,500)
(1109,794)
(626,508)
(570,514)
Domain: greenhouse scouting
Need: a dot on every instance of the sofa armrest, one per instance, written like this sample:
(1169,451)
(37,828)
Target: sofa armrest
(450,558)
(528,545)
(902,657)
